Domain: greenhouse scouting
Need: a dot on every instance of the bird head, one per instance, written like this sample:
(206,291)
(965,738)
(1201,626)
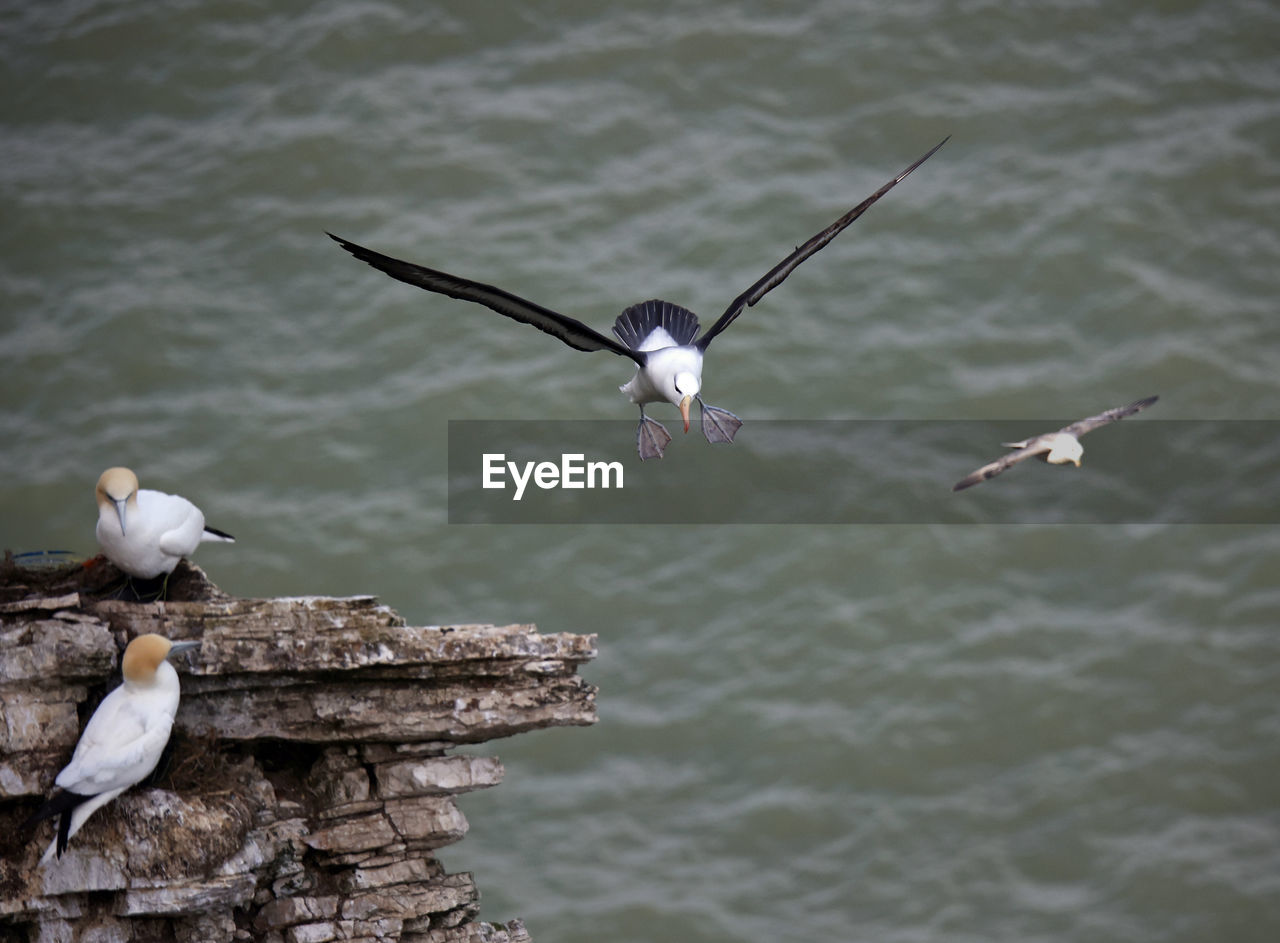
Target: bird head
(1066,448)
(684,387)
(118,488)
(144,654)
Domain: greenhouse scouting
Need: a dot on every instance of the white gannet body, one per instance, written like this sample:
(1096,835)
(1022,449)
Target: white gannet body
(123,740)
(146,533)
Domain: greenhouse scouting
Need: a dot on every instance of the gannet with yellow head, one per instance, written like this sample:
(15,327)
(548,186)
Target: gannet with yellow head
(145,533)
(123,740)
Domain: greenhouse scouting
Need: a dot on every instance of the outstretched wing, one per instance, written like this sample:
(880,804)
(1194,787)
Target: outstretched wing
(1036,446)
(779,272)
(570,330)
(1078,429)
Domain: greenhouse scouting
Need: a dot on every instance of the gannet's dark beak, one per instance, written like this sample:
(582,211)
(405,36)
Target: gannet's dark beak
(120,503)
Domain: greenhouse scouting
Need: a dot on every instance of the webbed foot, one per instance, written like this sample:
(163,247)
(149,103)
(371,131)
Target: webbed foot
(718,425)
(651,438)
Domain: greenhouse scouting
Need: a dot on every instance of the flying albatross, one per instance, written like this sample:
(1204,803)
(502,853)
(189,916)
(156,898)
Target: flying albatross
(657,335)
(1056,448)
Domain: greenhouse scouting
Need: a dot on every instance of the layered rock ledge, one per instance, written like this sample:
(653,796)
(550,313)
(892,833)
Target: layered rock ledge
(309,778)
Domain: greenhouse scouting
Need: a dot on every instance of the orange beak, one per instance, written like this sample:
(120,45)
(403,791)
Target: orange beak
(684,411)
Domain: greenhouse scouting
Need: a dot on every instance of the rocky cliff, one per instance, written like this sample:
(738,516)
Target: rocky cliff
(309,777)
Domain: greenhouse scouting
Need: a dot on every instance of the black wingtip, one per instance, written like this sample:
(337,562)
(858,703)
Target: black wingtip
(396,268)
(58,803)
(353,247)
(1135,407)
(933,150)
(61,804)
(64,833)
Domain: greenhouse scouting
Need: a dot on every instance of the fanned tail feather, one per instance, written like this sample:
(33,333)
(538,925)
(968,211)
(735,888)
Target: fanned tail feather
(637,322)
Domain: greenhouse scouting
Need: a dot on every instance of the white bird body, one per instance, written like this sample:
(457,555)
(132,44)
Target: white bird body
(671,372)
(123,740)
(124,737)
(145,533)
(668,369)
(1063,448)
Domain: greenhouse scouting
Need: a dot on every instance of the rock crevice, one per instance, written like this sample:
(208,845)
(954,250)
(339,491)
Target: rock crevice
(309,778)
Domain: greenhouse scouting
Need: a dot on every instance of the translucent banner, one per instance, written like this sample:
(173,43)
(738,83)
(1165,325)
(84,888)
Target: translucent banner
(862,472)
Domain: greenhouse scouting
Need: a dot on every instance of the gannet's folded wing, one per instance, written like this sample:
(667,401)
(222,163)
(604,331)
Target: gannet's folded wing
(117,749)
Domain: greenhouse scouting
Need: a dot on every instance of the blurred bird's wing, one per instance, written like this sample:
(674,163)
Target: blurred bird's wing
(1037,446)
(1078,429)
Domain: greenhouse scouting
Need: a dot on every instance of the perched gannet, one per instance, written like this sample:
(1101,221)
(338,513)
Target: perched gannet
(145,533)
(1056,448)
(657,335)
(123,740)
